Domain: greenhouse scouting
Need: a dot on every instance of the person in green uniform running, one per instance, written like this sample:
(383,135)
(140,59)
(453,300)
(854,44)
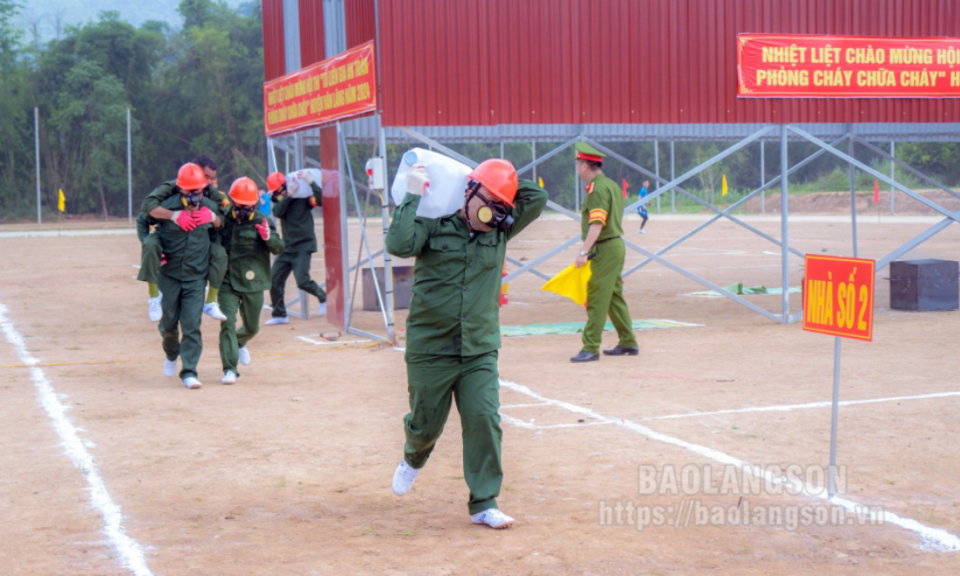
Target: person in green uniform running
(249,239)
(184,273)
(150,253)
(600,221)
(453,328)
(300,241)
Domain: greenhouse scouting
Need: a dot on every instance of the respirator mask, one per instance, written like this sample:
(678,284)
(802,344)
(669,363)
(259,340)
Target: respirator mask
(192,198)
(484,215)
(242,212)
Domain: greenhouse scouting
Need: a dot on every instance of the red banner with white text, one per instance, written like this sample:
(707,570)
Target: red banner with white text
(809,66)
(336,88)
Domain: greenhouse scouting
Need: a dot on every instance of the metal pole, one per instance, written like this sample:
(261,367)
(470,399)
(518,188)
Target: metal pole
(833,418)
(36,130)
(576,188)
(501,148)
(129,174)
(853,194)
(763,180)
(784,226)
(387,260)
(892,174)
(533,153)
(673,176)
(656,160)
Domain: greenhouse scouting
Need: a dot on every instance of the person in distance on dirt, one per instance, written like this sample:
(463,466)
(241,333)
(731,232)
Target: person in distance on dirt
(150,255)
(300,241)
(601,218)
(249,238)
(185,239)
(453,328)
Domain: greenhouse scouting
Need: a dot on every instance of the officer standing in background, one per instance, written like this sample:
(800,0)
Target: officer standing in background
(453,329)
(601,230)
(249,239)
(300,242)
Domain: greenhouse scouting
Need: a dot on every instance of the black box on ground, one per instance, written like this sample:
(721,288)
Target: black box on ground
(925,285)
(402,288)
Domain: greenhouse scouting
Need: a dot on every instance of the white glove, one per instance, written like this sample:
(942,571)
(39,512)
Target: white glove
(292,188)
(306,176)
(418,180)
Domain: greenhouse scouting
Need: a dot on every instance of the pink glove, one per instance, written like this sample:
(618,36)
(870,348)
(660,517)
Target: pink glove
(184,220)
(263,229)
(203,216)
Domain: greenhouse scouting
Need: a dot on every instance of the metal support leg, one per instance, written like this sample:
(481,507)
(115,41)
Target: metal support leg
(533,159)
(832,486)
(763,179)
(673,176)
(387,259)
(784,223)
(853,195)
(304,299)
(893,154)
(656,163)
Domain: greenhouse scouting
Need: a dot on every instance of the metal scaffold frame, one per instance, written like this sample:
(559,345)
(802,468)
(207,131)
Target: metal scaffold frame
(782,134)
(345,173)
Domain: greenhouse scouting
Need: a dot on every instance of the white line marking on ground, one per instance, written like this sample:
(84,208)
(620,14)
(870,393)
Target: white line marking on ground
(131,554)
(55,233)
(318,343)
(934,537)
(789,407)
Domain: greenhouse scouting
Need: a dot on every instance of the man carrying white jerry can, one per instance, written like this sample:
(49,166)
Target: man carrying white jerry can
(453,328)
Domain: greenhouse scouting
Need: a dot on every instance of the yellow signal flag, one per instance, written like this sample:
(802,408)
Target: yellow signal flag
(62,202)
(724,188)
(571,282)
(540,181)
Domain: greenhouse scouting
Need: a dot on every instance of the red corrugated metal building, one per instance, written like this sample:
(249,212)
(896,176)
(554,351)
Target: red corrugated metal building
(489,62)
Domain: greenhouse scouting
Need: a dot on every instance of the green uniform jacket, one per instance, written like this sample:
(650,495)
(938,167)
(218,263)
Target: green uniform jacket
(187,253)
(249,268)
(604,204)
(168,189)
(456,285)
(296,216)
(144,222)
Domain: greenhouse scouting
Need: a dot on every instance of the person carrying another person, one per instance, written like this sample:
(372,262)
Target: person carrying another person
(150,253)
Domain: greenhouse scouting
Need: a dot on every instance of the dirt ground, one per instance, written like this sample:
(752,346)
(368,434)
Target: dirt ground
(288,472)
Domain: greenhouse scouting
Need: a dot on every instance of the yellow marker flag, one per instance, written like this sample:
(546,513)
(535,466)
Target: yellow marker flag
(62,202)
(540,181)
(724,186)
(571,282)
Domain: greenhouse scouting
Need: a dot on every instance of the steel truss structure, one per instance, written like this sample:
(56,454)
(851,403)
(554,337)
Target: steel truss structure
(853,135)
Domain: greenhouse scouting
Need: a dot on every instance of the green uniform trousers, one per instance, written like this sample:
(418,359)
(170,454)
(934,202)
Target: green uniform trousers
(299,264)
(150,255)
(605,296)
(249,305)
(473,381)
(182,307)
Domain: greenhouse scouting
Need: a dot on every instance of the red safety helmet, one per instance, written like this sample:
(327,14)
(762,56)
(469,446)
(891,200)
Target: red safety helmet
(499,177)
(275,181)
(244,192)
(190,177)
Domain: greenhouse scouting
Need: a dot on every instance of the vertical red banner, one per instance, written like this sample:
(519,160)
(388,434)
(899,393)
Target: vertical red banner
(332,228)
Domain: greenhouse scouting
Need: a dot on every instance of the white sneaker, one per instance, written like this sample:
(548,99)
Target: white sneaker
(244,356)
(492,518)
(323,309)
(155,306)
(229,378)
(192,383)
(642,231)
(277,320)
(212,309)
(169,367)
(403,478)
